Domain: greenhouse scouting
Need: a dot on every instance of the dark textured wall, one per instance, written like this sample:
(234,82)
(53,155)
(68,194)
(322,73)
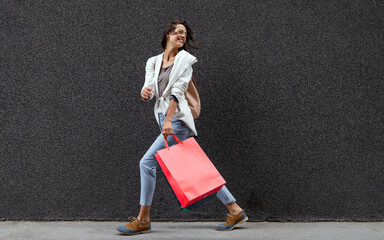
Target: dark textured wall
(292,107)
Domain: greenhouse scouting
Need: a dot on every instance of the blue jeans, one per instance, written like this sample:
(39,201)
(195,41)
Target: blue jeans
(148,164)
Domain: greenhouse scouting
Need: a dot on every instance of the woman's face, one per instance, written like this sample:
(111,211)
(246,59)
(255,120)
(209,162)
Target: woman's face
(177,38)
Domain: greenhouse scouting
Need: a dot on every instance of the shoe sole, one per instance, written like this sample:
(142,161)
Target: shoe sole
(146,231)
(230,229)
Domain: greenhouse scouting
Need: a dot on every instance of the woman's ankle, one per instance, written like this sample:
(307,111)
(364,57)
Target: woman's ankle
(233,208)
(143,219)
(144,214)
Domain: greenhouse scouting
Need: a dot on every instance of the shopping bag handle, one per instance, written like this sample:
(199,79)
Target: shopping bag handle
(174,136)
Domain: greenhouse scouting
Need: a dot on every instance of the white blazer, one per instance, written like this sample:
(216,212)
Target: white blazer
(179,78)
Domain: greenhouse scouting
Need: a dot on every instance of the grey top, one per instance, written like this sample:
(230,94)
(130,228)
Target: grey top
(164,78)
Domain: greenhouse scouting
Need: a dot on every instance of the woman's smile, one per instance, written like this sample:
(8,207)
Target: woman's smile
(181,40)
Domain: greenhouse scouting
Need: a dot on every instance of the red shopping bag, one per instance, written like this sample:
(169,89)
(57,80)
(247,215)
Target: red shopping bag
(189,172)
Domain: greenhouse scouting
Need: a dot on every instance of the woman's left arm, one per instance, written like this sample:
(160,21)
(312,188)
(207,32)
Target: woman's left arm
(167,126)
(177,91)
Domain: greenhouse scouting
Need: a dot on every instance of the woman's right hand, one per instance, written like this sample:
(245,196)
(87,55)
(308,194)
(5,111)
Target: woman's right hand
(146,93)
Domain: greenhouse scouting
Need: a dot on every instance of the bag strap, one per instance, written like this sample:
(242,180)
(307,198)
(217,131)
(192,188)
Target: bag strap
(174,136)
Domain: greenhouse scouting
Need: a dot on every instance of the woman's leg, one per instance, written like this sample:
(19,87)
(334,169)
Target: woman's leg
(228,200)
(148,166)
(236,214)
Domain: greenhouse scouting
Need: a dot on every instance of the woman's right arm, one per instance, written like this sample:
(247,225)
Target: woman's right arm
(146,91)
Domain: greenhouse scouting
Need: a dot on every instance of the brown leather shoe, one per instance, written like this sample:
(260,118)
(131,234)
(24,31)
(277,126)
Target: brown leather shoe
(232,221)
(135,227)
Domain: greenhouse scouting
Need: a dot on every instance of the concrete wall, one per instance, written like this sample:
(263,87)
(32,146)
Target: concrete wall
(292,107)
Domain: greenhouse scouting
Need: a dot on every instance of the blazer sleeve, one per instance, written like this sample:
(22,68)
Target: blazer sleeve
(181,85)
(149,75)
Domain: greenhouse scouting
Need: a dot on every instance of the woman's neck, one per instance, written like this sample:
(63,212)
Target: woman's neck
(170,54)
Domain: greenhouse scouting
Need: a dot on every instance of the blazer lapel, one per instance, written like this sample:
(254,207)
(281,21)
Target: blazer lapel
(159,62)
(175,72)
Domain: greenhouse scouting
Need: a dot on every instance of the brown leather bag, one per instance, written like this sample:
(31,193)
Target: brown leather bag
(193,98)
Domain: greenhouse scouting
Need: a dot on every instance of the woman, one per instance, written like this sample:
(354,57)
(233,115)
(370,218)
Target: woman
(167,77)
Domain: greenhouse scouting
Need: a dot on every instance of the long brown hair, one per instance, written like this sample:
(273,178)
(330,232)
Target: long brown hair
(171,28)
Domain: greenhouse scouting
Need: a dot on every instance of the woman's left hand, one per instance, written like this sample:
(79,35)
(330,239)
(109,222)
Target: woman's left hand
(167,128)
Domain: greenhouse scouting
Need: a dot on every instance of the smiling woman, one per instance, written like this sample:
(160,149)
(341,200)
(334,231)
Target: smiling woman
(167,78)
(180,27)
